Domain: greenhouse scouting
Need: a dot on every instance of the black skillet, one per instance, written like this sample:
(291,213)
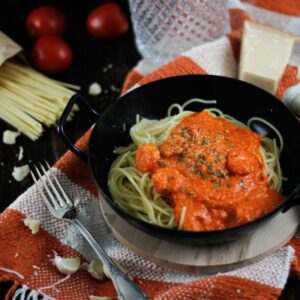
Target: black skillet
(234,97)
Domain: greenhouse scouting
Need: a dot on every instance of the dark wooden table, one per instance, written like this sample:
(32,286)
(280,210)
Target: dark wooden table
(90,64)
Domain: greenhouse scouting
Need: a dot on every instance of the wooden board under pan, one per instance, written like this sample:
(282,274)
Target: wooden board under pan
(207,259)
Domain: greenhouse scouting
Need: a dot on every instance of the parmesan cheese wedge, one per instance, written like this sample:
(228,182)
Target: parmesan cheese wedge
(265,53)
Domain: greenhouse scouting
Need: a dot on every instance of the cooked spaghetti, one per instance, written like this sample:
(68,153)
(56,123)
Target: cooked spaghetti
(196,171)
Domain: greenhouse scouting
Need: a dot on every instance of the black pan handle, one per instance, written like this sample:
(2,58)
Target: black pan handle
(75,99)
(293,199)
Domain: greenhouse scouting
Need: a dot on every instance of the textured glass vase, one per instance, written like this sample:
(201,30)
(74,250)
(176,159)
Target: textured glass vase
(163,28)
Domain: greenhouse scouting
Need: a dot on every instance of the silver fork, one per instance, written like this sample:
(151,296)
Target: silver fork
(61,207)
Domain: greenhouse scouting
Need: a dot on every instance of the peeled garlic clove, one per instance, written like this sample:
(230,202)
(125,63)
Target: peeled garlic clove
(295,105)
(95,268)
(32,224)
(291,93)
(106,272)
(67,265)
(291,98)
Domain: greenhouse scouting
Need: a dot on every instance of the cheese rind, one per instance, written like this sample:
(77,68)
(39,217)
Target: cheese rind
(265,52)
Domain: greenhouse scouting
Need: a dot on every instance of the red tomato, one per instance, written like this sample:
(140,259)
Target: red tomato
(46,20)
(52,54)
(107,21)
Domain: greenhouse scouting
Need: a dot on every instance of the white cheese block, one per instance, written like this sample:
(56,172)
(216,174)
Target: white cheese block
(265,53)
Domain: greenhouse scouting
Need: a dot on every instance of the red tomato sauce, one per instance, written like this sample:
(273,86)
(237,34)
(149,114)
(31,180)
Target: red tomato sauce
(214,169)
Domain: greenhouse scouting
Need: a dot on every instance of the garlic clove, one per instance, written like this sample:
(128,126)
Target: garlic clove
(106,272)
(32,224)
(291,93)
(95,268)
(67,265)
(291,98)
(295,105)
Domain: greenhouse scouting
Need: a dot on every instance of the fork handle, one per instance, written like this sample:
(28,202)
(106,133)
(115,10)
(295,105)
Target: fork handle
(125,287)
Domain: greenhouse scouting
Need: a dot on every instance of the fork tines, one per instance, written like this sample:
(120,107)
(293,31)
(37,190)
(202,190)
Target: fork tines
(49,187)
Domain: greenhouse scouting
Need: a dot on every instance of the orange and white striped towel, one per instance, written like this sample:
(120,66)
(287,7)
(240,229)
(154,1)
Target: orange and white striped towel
(25,259)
